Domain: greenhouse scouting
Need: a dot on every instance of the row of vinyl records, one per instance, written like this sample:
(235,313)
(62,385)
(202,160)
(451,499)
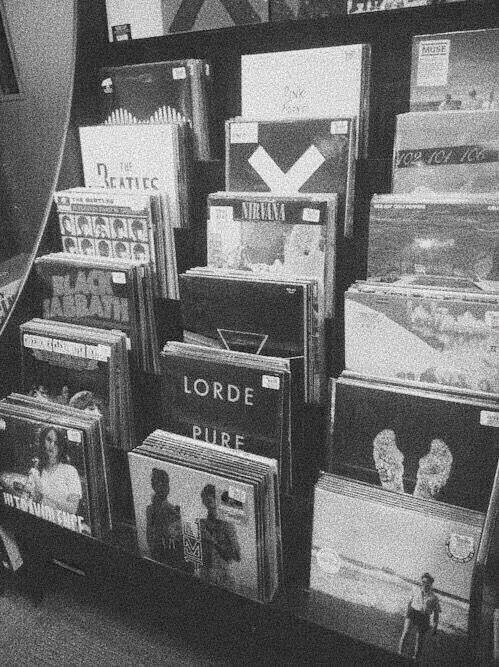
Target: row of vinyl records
(135,20)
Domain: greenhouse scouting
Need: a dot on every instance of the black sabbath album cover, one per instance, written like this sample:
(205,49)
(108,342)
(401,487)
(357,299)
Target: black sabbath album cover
(425,443)
(247,316)
(43,471)
(440,241)
(378,560)
(175,90)
(424,334)
(455,71)
(289,157)
(455,151)
(151,18)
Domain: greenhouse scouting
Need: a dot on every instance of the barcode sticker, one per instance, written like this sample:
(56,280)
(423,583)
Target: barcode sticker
(244,133)
(311,215)
(179,73)
(271,382)
(339,127)
(237,494)
(221,214)
(489,418)
(119,277)
(73,435)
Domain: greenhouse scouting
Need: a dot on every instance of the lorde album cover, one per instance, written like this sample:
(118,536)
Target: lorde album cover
(43,472)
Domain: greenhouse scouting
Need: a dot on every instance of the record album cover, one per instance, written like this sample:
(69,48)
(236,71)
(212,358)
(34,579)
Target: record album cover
(456,151)
(180,503)
(455,71)
(415,441)
(373,560)
(43,472)
(441,241)
(431,336)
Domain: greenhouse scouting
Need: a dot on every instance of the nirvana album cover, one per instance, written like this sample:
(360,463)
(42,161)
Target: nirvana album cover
(441,337)
(440,241)
(456,151)
(397,575)
(420,442)
(43,472)
(454,71)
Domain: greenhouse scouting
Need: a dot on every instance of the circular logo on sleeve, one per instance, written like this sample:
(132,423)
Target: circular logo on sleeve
(460,548)
(328,561)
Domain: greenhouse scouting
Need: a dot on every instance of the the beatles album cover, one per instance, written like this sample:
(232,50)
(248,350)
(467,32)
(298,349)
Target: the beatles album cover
(175,90)
(421,334)
(136,158)
(455,71)
(394,573)
(129,19)
(456,151)
(285,84)
(196,521)
(297,10)
(43,471)
(265,318)
(424,443)
(442,241)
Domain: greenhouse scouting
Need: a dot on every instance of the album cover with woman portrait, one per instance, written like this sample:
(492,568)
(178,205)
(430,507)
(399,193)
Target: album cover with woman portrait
(43,471)
(196,521)
(427,444)
(394,572)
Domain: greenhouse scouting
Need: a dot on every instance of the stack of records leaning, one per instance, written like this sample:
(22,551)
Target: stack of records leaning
(141,157)
(81,367)
(448,240)
(53,464)
(373,551)
(122,224)
(291,157)
(106,293)
(209,512)
(285,84)
(259,314)
(234,399)
(455,151)
(441,336)
(175,90)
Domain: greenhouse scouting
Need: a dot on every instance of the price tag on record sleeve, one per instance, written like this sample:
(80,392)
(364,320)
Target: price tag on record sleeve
(489,418)
(221,214)
(271,382)
(311,215)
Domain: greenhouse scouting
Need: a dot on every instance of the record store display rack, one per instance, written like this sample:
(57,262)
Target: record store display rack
(258,364)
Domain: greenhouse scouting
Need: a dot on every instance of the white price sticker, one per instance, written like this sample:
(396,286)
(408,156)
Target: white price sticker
(492,319)
(119,277)
(489,418)
(74,435)
(179,73)
(221,214)
(433,62)
(244,133)
(128,343)
(271,382)
(237,494)
(339,127)
(3,425)
(311,215)
(103,352)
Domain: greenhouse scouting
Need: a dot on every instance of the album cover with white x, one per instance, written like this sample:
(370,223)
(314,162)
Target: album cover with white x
(292,156)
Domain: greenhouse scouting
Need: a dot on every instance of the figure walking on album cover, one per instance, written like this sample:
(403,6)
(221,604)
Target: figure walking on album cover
(53,481)
(423,611)
(433,471)
(163,523)
(220,546)
(389,461)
